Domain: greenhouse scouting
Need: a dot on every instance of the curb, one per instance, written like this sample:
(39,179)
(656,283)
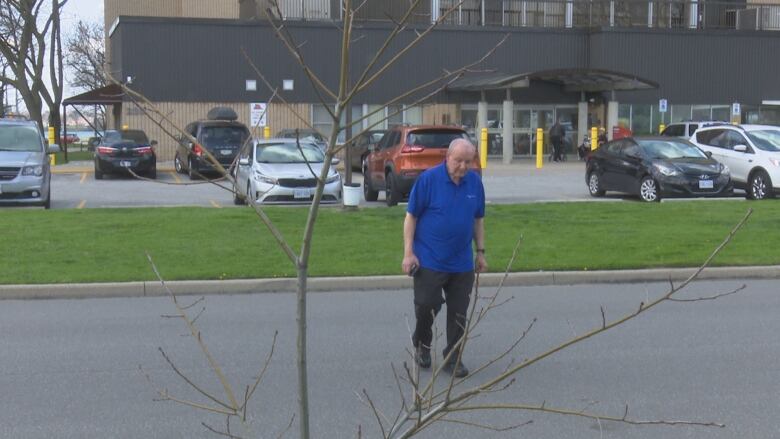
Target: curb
(361,283)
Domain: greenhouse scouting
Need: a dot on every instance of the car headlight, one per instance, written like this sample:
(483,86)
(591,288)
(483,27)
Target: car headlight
(33,170)
(775,162)
(265,178)
(667,170)
(333,178)
(724,170)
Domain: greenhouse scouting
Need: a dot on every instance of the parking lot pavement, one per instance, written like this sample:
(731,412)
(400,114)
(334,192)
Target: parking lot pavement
(74,186)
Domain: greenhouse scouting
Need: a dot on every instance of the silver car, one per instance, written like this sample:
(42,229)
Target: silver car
(277,171)
(25,176)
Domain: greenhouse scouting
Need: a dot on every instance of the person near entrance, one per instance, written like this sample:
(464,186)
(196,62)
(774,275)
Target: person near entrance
(444,216)
(557,132)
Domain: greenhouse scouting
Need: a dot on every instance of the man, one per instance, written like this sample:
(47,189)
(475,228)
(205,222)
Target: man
(556,138)
(445,214)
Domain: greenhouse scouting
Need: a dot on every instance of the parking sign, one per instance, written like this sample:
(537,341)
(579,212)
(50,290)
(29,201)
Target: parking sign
(662,106)
(735,110)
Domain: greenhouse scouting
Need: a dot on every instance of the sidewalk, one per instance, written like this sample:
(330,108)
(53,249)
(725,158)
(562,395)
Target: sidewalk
(364,283)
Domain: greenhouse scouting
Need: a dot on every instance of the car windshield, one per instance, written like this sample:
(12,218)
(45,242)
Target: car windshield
(130,136)
(20,138)
(288,153)
(303,135)
(768,140)
(670,149)
(223,136)
(434,138)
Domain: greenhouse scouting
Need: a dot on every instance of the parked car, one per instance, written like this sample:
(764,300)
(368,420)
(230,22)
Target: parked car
(752,152)
(276,171)
(361,145)
(220,134)
(118,152)
(655,167)
(70,138)
(402,154)
(306,134)
(685,130)
(25,175)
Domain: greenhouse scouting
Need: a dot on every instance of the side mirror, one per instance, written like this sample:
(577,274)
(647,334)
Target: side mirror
(740,148)
(53,149)
(243,161)
(708,154)
(335,161)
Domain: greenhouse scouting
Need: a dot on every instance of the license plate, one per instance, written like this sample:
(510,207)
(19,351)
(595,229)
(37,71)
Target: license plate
(705,184)
(301,193)
(226,151)
(125,163)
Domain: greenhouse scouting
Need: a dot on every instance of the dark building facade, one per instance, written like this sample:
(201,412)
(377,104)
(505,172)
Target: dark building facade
(700,69)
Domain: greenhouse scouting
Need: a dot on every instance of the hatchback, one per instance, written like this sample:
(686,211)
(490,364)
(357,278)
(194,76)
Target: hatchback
(25,175)
(122,151)
(278,171)
(404,152)
(655,167)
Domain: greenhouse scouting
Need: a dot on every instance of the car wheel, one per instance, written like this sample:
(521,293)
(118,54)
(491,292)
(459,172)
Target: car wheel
(594,185)
(177,165)
(392,195)
(648,190)
(47,202)
(98,172)
(191,172)
(368,191)
(152,173)
(759,186)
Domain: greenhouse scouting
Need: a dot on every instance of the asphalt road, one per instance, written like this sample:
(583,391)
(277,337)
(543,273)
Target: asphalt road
(70,368)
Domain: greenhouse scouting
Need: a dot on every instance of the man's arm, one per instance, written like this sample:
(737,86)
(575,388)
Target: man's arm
(479,240)
(410,259)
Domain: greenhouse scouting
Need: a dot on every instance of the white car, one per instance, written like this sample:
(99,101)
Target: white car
(752,153)
(275,171)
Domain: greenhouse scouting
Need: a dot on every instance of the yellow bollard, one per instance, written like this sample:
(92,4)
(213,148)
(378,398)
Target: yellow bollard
(661,128)
(539,148)
(483,142)
(594,138)
(53,159)
(266,132)
(52,141)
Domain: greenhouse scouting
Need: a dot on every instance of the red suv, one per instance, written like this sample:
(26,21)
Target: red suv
(403,153)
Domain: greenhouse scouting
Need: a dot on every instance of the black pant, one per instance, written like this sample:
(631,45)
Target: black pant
(556,144)
(428,287)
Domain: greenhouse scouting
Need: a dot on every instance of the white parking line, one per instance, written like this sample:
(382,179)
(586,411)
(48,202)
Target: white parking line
(175,176)
(81,205)
(215,204)
(83,177)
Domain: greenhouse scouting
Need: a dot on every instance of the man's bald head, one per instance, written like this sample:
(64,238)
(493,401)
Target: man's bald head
(460,157)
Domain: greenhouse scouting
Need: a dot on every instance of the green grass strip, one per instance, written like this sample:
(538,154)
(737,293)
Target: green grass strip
(100,245)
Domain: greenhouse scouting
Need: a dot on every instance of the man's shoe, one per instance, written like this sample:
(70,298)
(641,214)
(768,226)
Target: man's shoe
(422,357)
(458,370)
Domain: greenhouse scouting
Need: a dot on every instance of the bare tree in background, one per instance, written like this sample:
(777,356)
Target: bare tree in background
(85,57)
(30,42)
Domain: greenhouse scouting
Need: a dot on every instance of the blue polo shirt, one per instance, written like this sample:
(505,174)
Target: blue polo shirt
(445,214)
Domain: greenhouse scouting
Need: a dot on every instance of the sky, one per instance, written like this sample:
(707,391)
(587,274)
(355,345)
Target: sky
(75,10)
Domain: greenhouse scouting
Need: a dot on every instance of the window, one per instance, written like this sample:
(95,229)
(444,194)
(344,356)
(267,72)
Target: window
(674,131)
(681,113)
(395,115)
(707,137)
(692,129)
(734,138)
(631,150)
(321,119)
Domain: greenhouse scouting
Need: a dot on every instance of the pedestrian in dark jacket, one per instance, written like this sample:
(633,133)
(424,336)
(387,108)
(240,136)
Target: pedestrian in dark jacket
(557,132)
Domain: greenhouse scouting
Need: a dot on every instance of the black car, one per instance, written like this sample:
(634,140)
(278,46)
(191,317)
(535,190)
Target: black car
(656,167)
(120,151)
(220,134)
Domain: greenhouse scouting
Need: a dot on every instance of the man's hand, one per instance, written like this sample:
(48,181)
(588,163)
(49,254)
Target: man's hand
(481,264)
(408,262)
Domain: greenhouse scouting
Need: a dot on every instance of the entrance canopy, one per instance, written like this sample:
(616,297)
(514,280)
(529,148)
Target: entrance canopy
(108,95)
(572,80)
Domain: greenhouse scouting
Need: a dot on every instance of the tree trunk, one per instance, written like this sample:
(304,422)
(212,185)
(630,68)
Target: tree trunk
(303,385)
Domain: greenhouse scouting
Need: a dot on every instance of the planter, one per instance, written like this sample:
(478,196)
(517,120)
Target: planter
(352,194)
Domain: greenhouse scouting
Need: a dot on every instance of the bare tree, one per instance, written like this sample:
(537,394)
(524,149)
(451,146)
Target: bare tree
(428,404)
(85,59)
(30,41)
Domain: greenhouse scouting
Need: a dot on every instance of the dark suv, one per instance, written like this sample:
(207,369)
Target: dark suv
(403,154)
(127,150)
(25,176)
(220,134)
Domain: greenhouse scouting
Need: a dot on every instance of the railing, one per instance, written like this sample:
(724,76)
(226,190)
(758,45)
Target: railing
(703,14)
